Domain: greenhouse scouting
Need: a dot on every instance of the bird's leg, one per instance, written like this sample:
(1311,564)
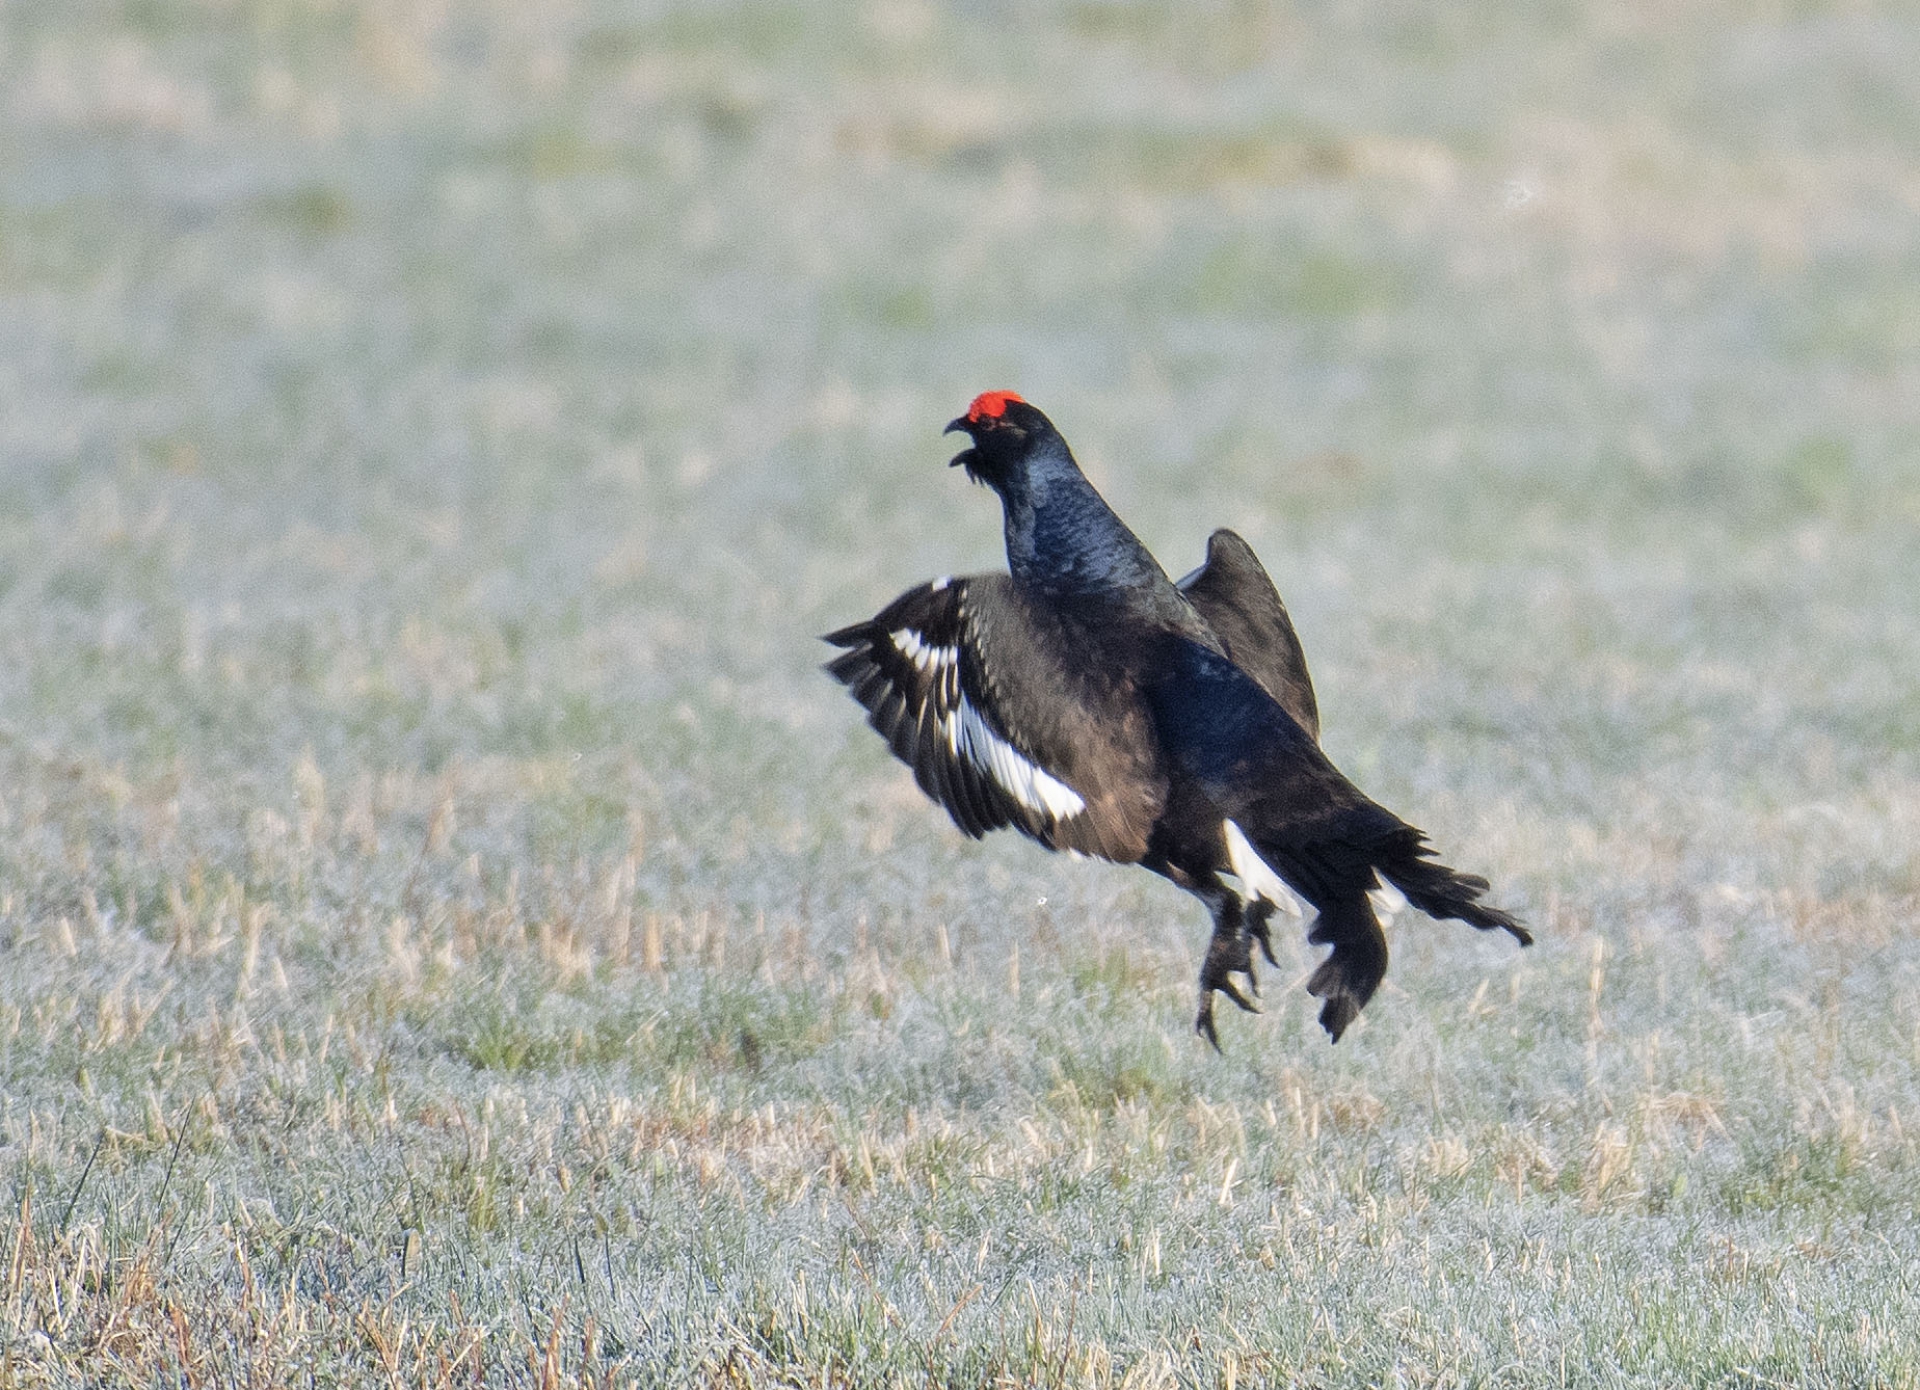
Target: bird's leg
(1258,911)
(1227,955)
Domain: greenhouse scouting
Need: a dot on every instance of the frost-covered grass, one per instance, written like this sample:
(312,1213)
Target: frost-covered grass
(450,931)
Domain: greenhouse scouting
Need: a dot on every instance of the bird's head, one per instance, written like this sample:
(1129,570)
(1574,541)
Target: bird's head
(1004,429)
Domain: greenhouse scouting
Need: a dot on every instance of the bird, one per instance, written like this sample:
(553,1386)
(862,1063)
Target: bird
(1088,701)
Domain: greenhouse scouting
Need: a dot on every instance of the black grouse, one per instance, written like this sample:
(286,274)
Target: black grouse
(1091,703)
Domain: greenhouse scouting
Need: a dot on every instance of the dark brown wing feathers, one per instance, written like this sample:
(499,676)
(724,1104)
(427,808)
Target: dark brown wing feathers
(1241,605)
(979,694)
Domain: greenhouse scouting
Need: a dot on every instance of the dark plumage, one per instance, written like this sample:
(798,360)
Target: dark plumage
(1244,610)
(1094,705)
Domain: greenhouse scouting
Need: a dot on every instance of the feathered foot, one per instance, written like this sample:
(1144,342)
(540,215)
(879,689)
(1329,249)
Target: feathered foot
(1227,955)
(1258,911)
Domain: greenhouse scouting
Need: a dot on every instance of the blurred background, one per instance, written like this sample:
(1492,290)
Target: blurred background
(392,379)
(357,354)
(432,434)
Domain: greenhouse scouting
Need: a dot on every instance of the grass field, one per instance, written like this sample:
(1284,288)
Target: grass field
(450,932)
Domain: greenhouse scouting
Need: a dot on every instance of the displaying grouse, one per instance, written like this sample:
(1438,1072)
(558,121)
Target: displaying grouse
(1089,702)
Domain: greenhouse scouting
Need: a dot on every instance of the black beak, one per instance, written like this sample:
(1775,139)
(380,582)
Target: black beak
(965,457)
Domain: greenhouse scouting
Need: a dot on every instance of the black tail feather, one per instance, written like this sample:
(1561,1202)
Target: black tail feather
(1334,875)
(1348,977)
(1440,891)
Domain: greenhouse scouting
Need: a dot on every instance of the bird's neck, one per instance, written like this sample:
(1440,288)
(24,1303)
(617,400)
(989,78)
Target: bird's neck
(1063,538)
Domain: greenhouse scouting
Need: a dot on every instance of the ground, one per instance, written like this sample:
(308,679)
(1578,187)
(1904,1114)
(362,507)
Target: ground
(450,929)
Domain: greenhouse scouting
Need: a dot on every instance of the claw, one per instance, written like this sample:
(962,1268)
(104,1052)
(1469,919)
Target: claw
(1203,1025)
(1232,991)
(1229,953)
(1227,956)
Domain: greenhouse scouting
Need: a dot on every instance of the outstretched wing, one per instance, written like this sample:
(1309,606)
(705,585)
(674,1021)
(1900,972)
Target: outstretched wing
(1233,593)
(972,689)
